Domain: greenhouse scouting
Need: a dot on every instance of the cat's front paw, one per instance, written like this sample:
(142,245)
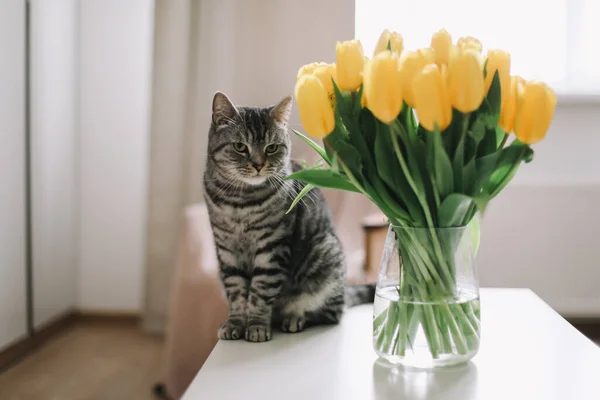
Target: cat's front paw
(231,330)
(293,324)
(258,333)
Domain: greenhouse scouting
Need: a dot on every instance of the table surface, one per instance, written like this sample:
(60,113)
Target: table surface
(527,351)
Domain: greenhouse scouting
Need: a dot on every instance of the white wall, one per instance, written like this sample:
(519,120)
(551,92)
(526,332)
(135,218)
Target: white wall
(532,213)
(542,230)
(13,322)
(116,47)
(54,156)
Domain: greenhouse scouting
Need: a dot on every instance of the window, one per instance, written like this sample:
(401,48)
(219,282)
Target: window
(551,40)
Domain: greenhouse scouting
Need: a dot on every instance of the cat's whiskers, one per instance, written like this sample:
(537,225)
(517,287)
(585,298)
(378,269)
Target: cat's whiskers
(297,186)
(310,194)
(229,183)
(284,187)
(290,190)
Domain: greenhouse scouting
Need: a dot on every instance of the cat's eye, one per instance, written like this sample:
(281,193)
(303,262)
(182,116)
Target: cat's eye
(240,147)
(272,148)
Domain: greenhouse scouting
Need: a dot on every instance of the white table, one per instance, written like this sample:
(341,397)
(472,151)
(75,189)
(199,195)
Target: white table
(527,352)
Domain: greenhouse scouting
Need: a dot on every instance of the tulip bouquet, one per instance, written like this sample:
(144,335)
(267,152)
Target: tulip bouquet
(426,135)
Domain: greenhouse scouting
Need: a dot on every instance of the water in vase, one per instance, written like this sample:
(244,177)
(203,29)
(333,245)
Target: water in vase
(425,334)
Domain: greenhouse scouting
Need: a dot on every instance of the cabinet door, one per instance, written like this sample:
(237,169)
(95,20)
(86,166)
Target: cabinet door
(13,308)
(53,152)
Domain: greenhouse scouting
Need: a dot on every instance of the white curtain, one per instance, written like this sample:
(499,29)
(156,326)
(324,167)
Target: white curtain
(251,50)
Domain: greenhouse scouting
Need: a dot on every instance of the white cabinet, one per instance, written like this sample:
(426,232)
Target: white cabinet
(54,123)
(13,299)
(30,301)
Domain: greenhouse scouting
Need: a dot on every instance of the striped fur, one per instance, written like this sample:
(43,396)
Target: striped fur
(280,268)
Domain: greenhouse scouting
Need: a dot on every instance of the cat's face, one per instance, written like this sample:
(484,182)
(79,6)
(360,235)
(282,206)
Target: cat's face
(250,144)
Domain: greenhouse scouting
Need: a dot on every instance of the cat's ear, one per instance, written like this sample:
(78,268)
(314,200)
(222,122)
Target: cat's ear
(223,110)
(282,111)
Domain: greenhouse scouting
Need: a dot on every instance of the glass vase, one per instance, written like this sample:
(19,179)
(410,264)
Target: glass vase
(426,311)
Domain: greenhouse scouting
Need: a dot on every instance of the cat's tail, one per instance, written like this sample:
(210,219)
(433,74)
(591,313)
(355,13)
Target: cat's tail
(359,294)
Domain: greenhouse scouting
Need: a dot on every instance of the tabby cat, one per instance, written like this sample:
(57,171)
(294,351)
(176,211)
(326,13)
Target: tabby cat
(277,268)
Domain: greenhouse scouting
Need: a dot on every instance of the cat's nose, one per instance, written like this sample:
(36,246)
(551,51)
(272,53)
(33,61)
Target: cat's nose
(258,166)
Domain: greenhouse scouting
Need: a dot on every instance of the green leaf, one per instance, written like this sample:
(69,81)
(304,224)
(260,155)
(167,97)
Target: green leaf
(481,201)
(469,177)
(506,167)
(368,127)
(477,131)
(343,103)
(454,210)
(458,162)
(390,171)
(492,103)
(489,144)
(302,193)
(453,133)
(499,136)
(337,145)
(474,232)
(357,100)
(486,165)
(418,213)
(314,145)
(443,173)
(417,165)
(323,178)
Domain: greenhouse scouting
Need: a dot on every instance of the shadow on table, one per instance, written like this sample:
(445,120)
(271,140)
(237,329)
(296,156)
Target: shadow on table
(394,382)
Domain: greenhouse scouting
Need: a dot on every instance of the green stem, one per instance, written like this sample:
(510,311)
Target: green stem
(443,327)
(406,315)
(459,339)
(411,182)
(378,322)
(431,332)
(425,263)
(413,326)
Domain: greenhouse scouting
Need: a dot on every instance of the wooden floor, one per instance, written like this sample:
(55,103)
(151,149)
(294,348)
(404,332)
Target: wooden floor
(88,362)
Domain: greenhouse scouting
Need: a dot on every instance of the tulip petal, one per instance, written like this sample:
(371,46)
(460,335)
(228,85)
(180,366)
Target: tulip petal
(350,62)
(535,109)
(382,87)
(316,113)
(465,80)
(432,99)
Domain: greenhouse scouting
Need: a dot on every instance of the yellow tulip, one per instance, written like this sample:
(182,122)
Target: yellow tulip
(432,99)
(316,113)
(428,54)
(350,62)
(411,63)
(509,105)
(325,73)
(441,42)
(535,108)
(498,60)
(469,42)
(308,69)
(382,86)
(393,38)
(465,80)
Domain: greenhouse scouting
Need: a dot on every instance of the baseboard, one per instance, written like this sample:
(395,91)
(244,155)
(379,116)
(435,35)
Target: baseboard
(24,346)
